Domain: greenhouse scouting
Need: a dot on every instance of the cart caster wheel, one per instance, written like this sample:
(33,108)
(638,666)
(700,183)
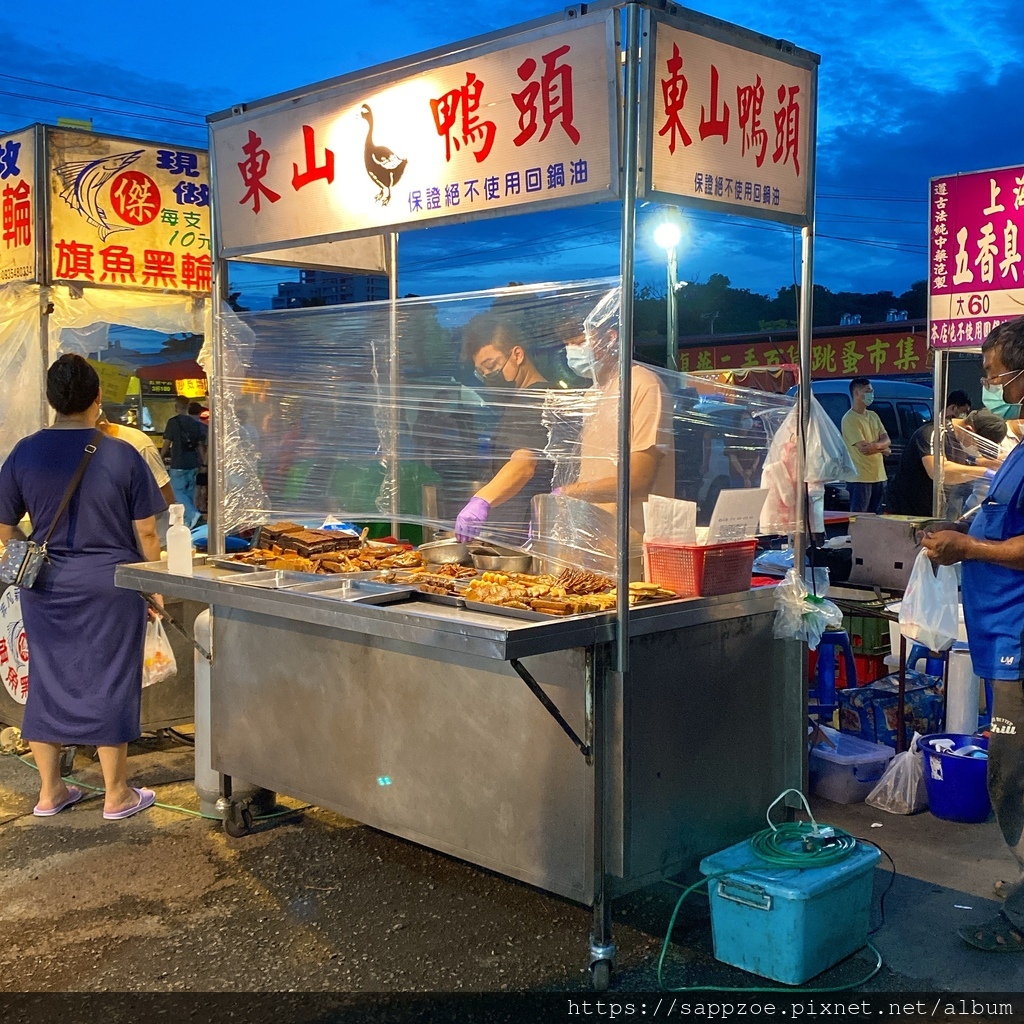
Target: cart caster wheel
(600,975)
(238,821)
(67,761)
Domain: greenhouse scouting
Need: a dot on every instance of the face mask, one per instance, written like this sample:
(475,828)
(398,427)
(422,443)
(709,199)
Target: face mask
(869,397)
(994,399)
(496,378)
(580,359)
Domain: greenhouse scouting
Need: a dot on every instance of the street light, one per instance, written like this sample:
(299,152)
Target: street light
(667,236)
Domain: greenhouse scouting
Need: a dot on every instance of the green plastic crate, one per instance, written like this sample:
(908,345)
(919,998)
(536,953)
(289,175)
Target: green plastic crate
(868,635)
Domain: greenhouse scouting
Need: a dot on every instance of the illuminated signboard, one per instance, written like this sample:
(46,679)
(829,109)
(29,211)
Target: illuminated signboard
(18,202)
(524,120)
(976,278)
(732,121)
(128,214)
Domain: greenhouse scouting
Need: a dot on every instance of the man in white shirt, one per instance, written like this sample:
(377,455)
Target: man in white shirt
(595,354)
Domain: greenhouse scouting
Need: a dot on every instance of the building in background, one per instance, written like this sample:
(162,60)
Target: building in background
(323,288)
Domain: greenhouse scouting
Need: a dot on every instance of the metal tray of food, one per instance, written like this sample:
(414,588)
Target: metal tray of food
(513,613)
(451,600)
(272,579)
(230,563)
(343,588)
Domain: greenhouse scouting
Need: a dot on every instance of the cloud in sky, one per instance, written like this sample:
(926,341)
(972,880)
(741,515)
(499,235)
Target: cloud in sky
(906,91)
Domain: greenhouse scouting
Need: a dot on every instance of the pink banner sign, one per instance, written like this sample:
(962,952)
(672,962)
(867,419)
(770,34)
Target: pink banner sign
(976,276)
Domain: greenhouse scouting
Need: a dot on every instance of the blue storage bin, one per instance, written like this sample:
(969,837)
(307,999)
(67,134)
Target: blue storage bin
(788,924)
(957,785)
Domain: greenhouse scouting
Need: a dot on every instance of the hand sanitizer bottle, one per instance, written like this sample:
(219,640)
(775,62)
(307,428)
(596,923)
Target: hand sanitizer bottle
(179,543)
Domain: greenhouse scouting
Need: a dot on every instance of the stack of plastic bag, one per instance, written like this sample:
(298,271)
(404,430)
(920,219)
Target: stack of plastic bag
(801,615)
(826,459)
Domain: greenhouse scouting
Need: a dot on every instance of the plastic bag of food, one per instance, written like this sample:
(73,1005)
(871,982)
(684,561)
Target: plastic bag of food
(158,662)
(929,613)
(901,789)
(801,615)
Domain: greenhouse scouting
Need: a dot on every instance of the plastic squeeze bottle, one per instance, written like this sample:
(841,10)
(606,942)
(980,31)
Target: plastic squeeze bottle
(179,543)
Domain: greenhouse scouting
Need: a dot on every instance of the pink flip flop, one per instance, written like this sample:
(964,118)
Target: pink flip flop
(74,795)
(146,799)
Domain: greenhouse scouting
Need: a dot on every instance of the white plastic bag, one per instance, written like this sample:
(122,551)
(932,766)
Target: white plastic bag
(901,789)
(799,614)
(929,613)
(158,662)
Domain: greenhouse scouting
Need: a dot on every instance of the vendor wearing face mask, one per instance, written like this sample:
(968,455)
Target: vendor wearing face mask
(501,361)
(868,444)
(595,354)
(992,553)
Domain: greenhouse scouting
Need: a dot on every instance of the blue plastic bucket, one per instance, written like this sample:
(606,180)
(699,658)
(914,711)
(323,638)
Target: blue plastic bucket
(957,785)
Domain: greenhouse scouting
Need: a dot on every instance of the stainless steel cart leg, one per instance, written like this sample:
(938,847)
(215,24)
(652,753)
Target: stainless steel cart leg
(602,949)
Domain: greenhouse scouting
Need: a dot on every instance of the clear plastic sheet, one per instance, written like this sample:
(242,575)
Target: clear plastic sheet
(972,453)
(21,364)
(325,412)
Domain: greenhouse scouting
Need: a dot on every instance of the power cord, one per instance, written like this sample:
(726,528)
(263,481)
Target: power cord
(789,845)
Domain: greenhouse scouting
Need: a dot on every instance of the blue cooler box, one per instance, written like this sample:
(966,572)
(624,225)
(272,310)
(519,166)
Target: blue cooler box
(788,924)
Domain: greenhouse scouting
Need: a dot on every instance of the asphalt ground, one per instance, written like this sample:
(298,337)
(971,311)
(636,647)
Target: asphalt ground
(165,902)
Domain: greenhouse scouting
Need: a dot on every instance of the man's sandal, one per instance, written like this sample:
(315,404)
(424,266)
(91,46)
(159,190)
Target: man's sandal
(999,935)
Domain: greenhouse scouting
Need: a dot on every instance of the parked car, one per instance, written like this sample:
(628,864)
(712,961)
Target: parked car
(901,407)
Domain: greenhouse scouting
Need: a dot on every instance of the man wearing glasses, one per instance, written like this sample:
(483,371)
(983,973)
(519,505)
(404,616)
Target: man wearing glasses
(992,553)
(501,361)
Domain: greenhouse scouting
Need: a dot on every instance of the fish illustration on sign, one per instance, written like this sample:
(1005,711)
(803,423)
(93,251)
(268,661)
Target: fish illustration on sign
(83,180)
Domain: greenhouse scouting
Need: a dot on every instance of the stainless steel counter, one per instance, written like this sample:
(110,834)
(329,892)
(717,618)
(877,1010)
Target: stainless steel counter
(420,720)
(421,623)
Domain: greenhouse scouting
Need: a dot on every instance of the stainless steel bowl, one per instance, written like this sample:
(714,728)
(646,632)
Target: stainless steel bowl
(445,552)
(501,563)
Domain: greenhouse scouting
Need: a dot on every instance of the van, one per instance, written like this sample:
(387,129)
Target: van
(901,407)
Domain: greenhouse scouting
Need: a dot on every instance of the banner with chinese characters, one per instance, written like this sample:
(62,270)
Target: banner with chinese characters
(731,123)
(128,214)
(976,280)
(114,381)
(18,202)
(863,355)
(519,121)
(13,646)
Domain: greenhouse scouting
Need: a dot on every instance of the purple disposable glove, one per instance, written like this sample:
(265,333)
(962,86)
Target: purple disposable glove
(471,519)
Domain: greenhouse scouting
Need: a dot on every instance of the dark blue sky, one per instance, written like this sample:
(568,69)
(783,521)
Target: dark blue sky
(906,91)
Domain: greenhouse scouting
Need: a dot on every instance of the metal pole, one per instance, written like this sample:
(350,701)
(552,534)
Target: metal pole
(938,448)
(630,161)
(393,376)
(215,496)
(42,256)
(673,316)
(804,393)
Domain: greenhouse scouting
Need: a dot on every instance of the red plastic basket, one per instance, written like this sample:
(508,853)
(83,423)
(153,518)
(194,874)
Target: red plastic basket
(701,570)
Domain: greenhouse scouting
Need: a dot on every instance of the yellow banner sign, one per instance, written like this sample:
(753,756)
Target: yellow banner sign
(114,381)
(128,214)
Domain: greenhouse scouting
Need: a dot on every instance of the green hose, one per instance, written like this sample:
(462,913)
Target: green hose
(792,845)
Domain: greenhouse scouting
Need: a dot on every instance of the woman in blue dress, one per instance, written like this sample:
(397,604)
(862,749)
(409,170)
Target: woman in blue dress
(86,636)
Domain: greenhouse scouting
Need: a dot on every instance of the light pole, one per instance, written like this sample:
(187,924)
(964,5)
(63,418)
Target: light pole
(667,236)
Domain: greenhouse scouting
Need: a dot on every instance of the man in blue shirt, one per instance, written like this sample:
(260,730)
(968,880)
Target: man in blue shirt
(992,553)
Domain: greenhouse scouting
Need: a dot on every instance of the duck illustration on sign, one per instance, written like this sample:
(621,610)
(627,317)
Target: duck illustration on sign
(83,181)
(384,168)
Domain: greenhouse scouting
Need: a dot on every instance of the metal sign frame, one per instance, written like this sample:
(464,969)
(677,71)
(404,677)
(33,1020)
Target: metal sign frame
(45,133)
(764,46)
(393,72)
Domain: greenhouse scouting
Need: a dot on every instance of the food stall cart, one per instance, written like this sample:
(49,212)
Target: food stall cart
(589,754)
